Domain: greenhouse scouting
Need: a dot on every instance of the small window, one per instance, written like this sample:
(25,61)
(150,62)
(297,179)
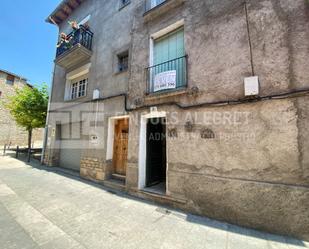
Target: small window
(150,4)
(123,62)
(79,88)
(10,79)
(124,3)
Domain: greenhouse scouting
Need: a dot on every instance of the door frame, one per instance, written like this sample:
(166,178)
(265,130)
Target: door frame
(111,135)
(142,162)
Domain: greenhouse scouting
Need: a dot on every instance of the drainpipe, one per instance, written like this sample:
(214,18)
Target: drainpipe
(45,139)
(249,37)
(47,117)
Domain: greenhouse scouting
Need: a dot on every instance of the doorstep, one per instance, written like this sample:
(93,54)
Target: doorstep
(163,199)
(115,184)
(119,177)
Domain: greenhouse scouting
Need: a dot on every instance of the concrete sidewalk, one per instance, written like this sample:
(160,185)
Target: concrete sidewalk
(42,208)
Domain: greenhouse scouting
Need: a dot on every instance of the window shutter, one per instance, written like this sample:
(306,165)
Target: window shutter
(168,48)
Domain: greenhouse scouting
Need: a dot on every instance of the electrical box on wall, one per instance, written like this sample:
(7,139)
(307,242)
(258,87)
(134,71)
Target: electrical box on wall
(252,86)
(96,94)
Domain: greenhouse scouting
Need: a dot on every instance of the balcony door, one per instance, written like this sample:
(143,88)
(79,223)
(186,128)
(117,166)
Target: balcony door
(168,55)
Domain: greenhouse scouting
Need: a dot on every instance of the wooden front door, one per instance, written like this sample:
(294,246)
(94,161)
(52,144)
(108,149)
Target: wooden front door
(120,156)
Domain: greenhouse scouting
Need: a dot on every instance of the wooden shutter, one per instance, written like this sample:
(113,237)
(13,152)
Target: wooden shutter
(168,48)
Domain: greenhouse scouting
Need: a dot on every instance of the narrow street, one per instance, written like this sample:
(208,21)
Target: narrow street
(44,208)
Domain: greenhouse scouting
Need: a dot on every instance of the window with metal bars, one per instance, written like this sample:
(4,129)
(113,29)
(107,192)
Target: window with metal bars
(169,65)
(123,62)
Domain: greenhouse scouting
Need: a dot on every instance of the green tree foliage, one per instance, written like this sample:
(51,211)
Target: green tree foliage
(29,108)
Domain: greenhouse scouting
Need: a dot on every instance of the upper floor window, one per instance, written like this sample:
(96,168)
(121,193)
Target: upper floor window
(168,69)
(155,3)
(124,3)
(123,62)
(10,79)
(79,87)
(77,82)
(150,4)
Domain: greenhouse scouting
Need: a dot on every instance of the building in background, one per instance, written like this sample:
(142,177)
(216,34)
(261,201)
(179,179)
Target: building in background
(199,104)
(11,134)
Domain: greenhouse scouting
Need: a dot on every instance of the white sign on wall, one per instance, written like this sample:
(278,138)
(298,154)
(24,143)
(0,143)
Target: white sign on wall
(165,80)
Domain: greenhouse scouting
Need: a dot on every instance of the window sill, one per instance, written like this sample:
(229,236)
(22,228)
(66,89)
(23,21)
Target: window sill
(166,94)
(161,9)
(77,99)
(121,72)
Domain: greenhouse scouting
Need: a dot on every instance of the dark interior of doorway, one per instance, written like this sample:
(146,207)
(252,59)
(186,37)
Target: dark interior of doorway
(156,156)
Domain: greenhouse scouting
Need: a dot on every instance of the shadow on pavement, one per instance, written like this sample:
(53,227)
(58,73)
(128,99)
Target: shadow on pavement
(166,210)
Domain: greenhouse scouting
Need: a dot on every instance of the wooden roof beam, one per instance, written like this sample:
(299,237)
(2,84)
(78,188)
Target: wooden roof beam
(64,10)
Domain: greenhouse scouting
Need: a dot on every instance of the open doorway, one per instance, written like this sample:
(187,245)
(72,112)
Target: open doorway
(156,155)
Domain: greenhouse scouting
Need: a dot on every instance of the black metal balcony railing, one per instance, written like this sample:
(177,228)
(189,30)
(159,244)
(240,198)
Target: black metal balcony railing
(178,66)
(80,36)
(150,4)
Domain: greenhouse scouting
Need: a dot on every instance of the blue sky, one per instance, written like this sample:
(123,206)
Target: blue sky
(27,42)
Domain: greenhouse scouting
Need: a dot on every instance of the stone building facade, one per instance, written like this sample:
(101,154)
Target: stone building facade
(224,84)
(10,133)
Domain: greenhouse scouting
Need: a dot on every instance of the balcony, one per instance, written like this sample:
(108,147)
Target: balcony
(77,49)
(155,8)
(168,76)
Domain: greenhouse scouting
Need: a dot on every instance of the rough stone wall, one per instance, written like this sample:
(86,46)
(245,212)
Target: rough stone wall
(255,172)
(217,40)
(208,25)
(259,146)
(303,134)
(51,157)
(252,173)
(279,35)
(92,168)
(10,133)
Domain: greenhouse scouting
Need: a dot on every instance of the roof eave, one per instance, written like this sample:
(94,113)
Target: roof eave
(63,11)
(13,74)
